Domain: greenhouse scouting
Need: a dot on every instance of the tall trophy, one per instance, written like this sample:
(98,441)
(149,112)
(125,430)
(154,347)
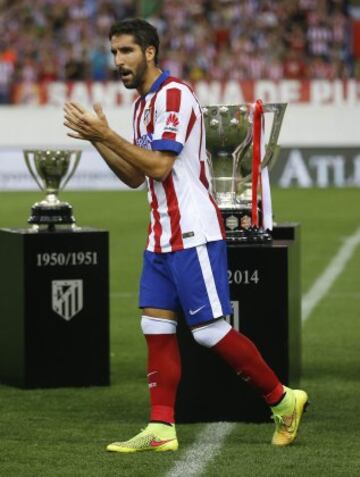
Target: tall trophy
(239,160)
(51,170)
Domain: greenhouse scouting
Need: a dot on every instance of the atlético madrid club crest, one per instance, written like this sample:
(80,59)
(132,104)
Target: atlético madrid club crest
(67,298)
(147,117)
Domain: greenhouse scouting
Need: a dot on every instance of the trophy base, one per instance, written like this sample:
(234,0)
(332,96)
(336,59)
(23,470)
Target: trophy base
(239,229)
(48,216)
(251,235)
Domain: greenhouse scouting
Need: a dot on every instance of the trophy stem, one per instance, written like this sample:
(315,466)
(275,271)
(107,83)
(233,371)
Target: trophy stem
(51,199)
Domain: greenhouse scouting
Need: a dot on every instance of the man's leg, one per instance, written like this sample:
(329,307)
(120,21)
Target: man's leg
(158,323)
(242,355)
(164,368)
(205,300)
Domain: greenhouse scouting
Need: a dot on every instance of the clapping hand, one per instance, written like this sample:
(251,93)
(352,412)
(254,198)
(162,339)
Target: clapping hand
(85,124)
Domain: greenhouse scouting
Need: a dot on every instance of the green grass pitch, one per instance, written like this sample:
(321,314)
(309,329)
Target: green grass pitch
(63,432)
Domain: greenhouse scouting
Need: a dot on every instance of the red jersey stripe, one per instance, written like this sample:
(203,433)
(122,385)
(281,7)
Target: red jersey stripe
(155,210)
(191,124)
(176,240)
(150,126)
(203,177)
(136,105)
(173,99)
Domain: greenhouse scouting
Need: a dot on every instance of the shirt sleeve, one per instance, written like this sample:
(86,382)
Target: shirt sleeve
(174,117)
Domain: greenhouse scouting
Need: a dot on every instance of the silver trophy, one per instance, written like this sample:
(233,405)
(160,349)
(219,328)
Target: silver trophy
(230,143)
(51,170)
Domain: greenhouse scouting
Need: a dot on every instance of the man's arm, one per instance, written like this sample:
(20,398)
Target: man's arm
(94,128)
(155,164)
(125,171)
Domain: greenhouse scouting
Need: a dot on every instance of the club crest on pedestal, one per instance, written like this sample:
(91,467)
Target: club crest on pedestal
(67,298)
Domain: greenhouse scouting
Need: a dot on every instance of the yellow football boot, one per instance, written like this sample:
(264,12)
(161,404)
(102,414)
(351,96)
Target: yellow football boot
(287,416)
(155,437)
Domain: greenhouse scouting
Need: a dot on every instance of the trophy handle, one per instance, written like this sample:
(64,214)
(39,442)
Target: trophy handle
(211,169)
(77,154)
(27,156)
(279,110)
(237,154)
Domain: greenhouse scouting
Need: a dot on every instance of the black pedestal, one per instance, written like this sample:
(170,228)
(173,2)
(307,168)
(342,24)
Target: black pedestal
(265,290)
(54,308)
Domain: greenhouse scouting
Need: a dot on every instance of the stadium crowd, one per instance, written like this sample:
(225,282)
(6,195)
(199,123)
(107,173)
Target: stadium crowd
(48,40)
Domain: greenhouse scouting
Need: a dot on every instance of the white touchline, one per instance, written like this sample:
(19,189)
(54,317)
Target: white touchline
(323,284)
(212,437)
(204,449)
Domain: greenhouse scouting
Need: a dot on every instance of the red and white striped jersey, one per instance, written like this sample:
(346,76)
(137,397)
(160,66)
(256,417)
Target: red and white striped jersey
(183,211)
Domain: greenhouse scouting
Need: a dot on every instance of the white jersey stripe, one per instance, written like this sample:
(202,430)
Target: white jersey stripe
(209,281)
(136,105)
(157,227)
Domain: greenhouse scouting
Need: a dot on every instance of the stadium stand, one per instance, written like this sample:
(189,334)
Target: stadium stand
(66,40)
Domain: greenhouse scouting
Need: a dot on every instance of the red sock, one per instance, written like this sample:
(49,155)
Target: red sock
(164,371)
(243,356)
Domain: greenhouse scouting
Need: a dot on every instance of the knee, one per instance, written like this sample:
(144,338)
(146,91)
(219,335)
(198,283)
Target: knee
(157,326)
(209,335)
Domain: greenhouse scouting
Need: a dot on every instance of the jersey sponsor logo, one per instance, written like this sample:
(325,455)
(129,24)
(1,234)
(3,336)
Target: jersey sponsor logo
(193,312)
(144,141)
(172,119)
(188,235)
(172,123)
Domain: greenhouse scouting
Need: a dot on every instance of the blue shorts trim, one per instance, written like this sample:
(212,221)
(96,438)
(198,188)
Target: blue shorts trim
(193,281)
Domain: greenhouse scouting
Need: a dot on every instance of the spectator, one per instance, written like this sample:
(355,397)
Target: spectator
(7,69)
(294,66)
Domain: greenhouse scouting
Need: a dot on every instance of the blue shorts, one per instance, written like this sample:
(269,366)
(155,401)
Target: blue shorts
(193,281)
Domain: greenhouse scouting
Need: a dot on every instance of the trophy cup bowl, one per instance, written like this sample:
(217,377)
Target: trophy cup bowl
(51,170)
(229,142)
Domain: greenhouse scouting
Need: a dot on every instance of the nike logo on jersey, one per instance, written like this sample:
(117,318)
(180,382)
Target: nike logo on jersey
(193,312)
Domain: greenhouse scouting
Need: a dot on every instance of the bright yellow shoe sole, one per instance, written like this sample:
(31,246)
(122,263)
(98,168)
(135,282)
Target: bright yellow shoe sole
(172,445)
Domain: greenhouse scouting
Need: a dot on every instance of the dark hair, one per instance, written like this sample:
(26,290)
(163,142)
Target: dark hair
(143,32)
